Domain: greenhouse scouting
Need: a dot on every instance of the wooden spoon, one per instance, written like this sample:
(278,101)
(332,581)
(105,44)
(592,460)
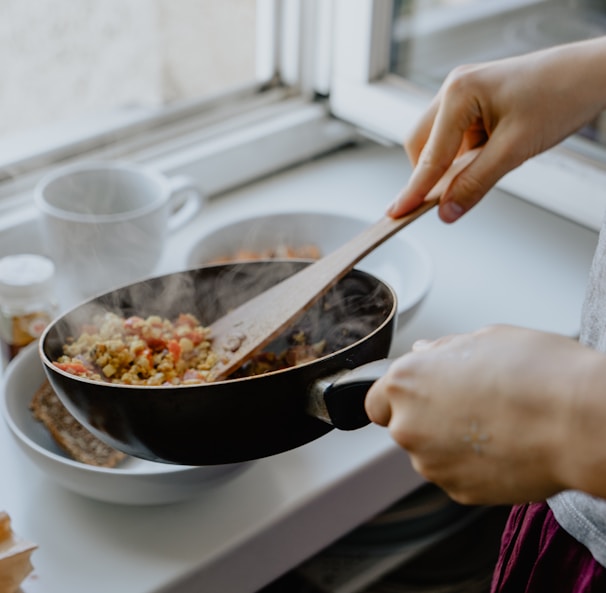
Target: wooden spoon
(242,332)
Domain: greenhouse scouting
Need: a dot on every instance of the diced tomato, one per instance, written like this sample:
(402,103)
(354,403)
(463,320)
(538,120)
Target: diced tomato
(133,324)
(186,319)
(156,343)
(75,367)
(175,349)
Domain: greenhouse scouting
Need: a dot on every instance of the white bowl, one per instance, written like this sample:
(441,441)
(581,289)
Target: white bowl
(400,262)
(135,481)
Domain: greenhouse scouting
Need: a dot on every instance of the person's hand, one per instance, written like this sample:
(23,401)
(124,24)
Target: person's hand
(513,108)
(502,415)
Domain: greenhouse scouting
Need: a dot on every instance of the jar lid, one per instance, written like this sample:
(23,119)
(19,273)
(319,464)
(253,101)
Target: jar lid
(25,276)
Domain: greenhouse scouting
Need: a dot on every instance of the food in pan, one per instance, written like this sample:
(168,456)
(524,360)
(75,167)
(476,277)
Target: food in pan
(137,351)
(79,443)
(298,351)
(156,351)
(15,557)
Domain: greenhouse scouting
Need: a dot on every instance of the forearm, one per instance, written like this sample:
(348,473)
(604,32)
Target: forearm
(574,77)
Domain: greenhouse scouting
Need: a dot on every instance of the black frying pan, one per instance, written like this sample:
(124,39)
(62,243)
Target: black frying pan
(242,418)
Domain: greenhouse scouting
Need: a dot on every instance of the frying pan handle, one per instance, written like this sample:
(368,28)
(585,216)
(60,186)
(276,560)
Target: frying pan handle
(339,398)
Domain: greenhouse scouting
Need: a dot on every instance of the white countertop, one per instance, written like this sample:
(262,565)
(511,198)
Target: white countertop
(507,261)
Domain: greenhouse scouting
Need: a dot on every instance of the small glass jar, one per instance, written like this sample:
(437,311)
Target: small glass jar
(27,300)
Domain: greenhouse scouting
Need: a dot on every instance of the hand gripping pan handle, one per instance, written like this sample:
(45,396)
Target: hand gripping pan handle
(339,399)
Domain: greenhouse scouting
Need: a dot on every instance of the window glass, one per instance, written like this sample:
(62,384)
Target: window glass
(430,37)
(62,59)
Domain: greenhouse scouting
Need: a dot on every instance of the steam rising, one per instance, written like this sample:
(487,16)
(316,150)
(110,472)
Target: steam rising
(348,313)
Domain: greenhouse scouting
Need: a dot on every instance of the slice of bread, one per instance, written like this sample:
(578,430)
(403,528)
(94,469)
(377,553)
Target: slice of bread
(70,435)
(15,563)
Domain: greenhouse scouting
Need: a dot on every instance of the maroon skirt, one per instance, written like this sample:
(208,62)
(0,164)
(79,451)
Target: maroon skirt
(538,556)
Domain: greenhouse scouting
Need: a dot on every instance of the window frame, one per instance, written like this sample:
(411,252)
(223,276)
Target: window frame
(568,179)
(66,138)
(225,140)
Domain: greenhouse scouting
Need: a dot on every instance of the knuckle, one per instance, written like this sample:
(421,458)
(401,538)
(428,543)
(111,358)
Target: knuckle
(460,79)
(405,437)
(433,162)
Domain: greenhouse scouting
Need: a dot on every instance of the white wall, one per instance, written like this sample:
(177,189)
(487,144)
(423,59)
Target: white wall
(65,58)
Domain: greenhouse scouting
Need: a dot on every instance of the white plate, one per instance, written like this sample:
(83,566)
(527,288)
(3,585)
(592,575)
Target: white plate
(400,262)
(135,481)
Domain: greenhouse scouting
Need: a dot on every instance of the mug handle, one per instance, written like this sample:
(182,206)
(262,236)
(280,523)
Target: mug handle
(186,199)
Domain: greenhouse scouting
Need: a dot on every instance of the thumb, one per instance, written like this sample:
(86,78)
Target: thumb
(493,161)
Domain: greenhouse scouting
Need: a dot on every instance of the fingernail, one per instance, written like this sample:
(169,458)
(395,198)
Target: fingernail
(451,211)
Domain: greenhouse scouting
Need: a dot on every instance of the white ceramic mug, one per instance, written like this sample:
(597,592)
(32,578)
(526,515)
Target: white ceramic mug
(105,223)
